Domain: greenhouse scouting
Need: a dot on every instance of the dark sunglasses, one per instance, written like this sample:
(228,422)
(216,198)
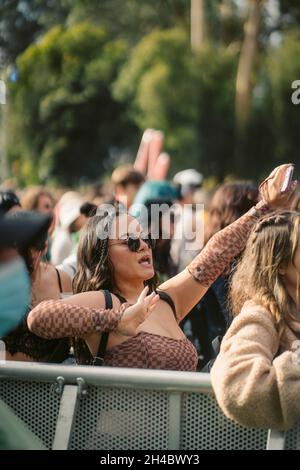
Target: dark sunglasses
(134,243)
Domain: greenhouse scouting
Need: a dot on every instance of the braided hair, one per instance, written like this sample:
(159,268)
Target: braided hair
(95,270)
(272,245)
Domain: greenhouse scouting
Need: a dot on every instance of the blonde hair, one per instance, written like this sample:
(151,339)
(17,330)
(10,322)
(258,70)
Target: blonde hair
(30,199)
(272,245)
(127,174)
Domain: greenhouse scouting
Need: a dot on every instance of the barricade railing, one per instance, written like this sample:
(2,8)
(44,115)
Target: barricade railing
(82,407)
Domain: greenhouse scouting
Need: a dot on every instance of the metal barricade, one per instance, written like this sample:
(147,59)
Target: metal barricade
(81,407)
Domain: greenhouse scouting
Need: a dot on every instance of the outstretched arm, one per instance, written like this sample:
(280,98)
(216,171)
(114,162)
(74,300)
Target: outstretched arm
(80,315)
(85,314)
(189,286)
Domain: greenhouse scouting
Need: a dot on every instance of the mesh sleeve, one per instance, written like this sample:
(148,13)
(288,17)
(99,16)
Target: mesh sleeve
(55,319)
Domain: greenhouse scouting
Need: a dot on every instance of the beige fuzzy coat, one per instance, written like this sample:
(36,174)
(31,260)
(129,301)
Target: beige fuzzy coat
(250,385)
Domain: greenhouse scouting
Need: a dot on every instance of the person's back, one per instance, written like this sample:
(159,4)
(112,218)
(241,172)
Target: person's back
(47,283)
(256,376)
(207,323)
(21,344)
(14,298)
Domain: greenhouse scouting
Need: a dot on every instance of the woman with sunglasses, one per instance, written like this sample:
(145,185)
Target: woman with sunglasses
(143,330)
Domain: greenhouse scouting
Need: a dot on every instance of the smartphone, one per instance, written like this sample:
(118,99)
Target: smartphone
(287,179)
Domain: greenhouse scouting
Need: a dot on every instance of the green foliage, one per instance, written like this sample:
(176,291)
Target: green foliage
(188,96)
(272,136)
(92,75)
(131,19)
(290,10)
(22,21)
(284,68)
(61,106)
(216,68)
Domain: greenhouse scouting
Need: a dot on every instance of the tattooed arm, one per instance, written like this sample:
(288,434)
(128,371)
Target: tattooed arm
(78,315)
(83,315)
(189,286)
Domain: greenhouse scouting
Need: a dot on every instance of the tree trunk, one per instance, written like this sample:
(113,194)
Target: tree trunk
(247,56)
(197,24)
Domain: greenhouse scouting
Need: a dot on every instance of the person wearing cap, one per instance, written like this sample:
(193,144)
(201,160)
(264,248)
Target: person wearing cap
(157,197)
(69,264)
(15,296)
(70,222)
(15,290)
(46,283)
(187,182)
(115,254)
(126,181)
(9,202)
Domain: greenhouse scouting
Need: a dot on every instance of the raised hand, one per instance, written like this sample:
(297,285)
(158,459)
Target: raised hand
(270,189)
(135,314)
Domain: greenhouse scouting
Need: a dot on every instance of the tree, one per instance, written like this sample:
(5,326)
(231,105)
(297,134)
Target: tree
(132,19)
(63,121)
(197,24)
(283,70)
(22,21)
(290,13)
(246,61)
(188,96)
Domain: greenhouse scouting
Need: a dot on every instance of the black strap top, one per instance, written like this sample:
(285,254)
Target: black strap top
(166,298)
(99,358)
(59,280)
(40,349)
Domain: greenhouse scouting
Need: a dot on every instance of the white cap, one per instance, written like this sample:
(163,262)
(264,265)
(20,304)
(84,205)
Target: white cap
(188,178)
(69,211)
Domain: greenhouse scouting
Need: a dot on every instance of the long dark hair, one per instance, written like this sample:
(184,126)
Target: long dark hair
(229,203)
(162,259)
(95,270)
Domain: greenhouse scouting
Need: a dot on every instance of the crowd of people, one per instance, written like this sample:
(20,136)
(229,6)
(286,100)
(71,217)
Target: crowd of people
(160,275)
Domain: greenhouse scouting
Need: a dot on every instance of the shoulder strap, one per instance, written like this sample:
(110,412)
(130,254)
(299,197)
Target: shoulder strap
(99,358)
(60,352)
(166,298)
(59,280)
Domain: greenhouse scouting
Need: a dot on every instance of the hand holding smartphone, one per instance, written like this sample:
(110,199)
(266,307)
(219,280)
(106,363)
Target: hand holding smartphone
(287,179)
(277,190)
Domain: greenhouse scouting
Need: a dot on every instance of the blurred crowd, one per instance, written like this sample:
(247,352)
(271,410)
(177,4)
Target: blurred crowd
(54,265)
